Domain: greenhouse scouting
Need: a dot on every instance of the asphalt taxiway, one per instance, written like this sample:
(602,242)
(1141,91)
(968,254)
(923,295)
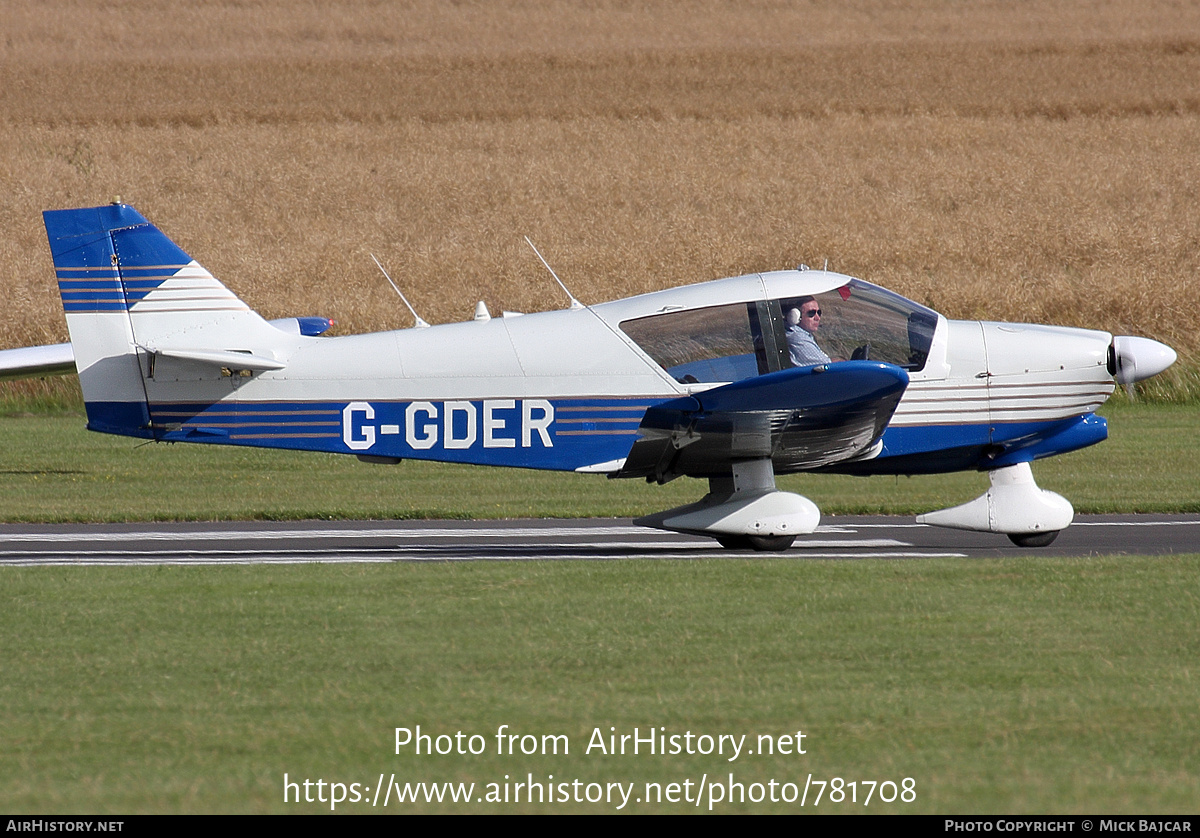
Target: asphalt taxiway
(842,537)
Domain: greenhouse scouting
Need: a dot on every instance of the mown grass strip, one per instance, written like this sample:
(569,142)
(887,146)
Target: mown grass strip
(1025,685)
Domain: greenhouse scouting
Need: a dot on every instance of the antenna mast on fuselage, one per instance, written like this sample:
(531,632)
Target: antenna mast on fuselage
(578,306)
(421,324)
(574,302)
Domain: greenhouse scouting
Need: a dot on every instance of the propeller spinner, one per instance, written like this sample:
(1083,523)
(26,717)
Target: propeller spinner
(1133,359)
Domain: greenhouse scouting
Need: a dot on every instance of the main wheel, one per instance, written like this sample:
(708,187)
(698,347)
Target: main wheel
(770,543)
(1033,539)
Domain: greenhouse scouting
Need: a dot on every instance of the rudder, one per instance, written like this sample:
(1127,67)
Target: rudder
(97,311)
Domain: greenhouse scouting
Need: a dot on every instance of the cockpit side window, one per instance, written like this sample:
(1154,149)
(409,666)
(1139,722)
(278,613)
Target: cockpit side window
(715,344)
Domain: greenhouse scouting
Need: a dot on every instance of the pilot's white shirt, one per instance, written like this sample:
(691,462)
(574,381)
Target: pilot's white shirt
(803,349)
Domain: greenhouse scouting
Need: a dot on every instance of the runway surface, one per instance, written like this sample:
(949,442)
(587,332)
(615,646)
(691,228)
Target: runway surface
(849,537)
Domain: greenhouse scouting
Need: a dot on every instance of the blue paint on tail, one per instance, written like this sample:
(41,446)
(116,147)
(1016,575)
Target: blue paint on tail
(108,258)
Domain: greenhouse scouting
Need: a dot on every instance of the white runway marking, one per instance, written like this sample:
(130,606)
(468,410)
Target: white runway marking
(415,532)
(276,535)
(889,526)
(193,545)
(1136,524)
(124,559)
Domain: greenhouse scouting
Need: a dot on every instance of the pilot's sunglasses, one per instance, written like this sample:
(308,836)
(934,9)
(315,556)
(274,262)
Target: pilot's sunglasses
(816,312)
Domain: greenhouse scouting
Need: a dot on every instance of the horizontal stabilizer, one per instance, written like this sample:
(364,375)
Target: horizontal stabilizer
(800,418)
(59,358)
(221,358)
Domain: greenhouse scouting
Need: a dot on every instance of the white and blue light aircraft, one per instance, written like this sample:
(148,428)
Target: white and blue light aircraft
(692,381)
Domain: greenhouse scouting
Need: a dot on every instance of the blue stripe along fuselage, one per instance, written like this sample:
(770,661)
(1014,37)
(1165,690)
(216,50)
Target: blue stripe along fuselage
(559,434)
(556,434)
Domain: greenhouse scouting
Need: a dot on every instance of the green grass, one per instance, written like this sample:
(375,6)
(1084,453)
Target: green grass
(54,396)
(1014,686)
(54,470)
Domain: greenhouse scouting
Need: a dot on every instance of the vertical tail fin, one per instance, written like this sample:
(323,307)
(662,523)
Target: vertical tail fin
(131,294)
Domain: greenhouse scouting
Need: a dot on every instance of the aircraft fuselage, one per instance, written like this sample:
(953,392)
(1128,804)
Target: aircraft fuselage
(568,389)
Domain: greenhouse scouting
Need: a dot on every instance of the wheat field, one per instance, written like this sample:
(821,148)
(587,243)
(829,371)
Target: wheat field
(1026,161)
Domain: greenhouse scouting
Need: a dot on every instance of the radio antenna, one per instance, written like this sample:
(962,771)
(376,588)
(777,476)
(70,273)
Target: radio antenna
(575,304)
(421,324)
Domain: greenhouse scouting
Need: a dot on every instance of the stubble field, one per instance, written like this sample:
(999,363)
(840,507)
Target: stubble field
(1029,162)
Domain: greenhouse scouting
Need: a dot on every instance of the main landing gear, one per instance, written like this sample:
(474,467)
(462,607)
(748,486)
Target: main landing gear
(743,511)
(746,512)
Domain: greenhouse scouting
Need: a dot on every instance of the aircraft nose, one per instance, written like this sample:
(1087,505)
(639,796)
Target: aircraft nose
(1134,359)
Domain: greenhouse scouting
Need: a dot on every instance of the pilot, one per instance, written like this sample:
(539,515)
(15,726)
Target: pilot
(802,325)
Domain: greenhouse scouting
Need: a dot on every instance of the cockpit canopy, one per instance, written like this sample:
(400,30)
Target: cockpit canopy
(722,343)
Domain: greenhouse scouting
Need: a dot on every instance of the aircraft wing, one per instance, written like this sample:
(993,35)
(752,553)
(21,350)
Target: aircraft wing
(36,361)
(801,418)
